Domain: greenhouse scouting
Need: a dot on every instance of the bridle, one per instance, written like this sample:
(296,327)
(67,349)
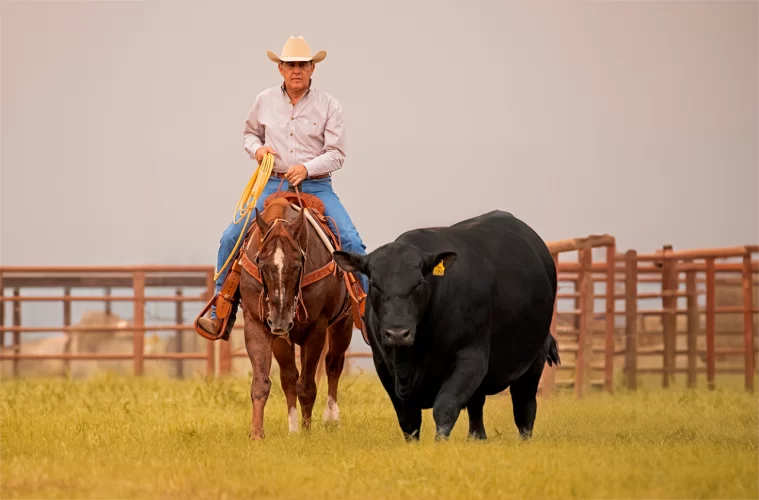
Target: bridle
(304,280)
(267,238)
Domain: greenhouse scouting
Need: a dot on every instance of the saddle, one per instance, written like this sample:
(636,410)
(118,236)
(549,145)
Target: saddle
(227,299)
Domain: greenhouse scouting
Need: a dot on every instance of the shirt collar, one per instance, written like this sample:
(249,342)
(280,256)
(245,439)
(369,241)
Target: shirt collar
(308,90)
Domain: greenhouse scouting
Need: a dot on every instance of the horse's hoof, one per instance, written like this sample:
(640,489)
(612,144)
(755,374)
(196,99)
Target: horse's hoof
(331,412)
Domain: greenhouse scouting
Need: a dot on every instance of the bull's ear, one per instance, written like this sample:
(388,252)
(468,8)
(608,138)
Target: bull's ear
(350,262)
(433,260)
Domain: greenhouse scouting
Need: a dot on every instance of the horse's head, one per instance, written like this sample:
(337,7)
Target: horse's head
(280,260)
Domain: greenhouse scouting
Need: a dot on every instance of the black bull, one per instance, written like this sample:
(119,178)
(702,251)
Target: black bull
(445,336)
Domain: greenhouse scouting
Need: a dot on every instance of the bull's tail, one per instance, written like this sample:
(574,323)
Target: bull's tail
(553,351)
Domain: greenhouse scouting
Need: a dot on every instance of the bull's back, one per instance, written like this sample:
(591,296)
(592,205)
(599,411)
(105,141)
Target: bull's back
(493,242)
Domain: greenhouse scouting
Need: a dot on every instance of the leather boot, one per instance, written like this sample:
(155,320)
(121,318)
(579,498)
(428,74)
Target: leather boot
(210,325)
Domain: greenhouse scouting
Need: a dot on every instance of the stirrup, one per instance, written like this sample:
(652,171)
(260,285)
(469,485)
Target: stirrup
(225,302)
(358,299)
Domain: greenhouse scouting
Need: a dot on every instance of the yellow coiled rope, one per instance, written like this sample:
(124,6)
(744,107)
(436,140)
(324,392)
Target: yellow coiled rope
(247,202)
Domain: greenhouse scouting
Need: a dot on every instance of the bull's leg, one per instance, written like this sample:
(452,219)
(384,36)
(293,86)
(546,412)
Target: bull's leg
(309,361)
(410,420)
(457,390)
(258,345)
(288,375)
(474,409)
(339,340)
(524,402)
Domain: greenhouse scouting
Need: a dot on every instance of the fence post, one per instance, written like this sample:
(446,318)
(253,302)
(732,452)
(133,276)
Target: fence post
(611,274)
(711,301)
(138,284)
(66,323)
(547,383)
(2,311)
(549,372)
(748,322)
(585,338)
(669,278)
(210,351)
(108,304)
(694,319)
(17,324)
(179,319)
(225,356)
(631,318)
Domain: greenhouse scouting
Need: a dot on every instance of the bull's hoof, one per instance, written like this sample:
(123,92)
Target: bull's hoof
(441,436)
(411,438)
(525,435)
(478,436)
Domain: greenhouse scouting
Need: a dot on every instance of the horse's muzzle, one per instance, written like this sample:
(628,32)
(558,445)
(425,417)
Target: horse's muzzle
(279,328)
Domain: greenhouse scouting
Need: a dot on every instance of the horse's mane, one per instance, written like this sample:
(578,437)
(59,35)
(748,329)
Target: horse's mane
(278,208)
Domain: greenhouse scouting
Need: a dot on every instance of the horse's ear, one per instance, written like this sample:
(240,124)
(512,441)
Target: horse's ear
(263,227)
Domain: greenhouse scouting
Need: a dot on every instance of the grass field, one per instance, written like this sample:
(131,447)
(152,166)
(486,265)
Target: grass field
(129,438)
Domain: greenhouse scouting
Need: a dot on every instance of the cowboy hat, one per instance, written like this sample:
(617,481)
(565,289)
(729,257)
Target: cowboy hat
(297,49)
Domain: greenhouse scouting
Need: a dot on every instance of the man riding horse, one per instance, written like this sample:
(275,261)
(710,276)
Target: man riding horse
(302,127)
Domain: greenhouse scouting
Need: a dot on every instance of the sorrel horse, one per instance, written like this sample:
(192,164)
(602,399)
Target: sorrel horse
(292,292)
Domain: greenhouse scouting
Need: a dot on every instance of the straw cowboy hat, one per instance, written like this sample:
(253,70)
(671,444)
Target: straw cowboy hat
(296,49)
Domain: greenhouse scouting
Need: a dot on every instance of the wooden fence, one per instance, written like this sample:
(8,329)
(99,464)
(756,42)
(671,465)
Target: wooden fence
(594,345)
(674,276)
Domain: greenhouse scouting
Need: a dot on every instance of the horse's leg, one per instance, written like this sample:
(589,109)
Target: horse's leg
(339,340)
(309,360)
(259,347)
(288,374)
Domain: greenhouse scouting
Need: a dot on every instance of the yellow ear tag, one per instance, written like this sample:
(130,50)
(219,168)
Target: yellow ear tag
(439,269)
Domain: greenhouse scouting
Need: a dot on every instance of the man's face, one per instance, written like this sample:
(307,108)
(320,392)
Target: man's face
(297,74)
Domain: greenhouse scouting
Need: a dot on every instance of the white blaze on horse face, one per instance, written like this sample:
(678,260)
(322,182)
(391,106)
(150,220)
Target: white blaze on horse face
(292,420)
(279,263)
(331,412)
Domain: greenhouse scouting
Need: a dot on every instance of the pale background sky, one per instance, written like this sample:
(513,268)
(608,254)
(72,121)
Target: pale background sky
(122,120)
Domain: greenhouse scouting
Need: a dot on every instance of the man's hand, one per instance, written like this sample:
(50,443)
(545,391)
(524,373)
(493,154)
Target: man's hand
(296,174)
(260,152)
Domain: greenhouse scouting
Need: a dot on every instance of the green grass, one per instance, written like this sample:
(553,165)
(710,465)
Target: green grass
(130,438)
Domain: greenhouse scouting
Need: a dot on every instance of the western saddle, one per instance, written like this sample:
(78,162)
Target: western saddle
(228,298)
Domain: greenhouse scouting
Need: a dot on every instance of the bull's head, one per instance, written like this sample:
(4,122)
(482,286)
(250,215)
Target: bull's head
(400,286)
(280,262)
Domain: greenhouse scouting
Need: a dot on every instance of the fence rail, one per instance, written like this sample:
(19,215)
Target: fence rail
(591,342)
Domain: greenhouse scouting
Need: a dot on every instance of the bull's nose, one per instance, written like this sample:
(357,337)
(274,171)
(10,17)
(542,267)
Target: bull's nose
(398,333)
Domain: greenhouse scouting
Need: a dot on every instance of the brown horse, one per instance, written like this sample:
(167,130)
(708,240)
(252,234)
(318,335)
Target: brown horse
(292,293)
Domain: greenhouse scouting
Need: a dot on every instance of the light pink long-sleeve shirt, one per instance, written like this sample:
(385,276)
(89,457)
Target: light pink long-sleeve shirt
(311,133)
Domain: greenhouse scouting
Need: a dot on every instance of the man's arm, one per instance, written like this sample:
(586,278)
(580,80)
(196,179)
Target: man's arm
(253,134)
(333,153)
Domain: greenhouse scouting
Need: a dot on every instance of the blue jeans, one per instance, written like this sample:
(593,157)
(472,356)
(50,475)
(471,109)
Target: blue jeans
(333,207)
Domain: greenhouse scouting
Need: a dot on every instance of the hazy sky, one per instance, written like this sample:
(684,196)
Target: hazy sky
(122,121)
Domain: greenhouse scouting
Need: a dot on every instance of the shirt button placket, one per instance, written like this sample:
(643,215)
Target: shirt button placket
(290,141)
